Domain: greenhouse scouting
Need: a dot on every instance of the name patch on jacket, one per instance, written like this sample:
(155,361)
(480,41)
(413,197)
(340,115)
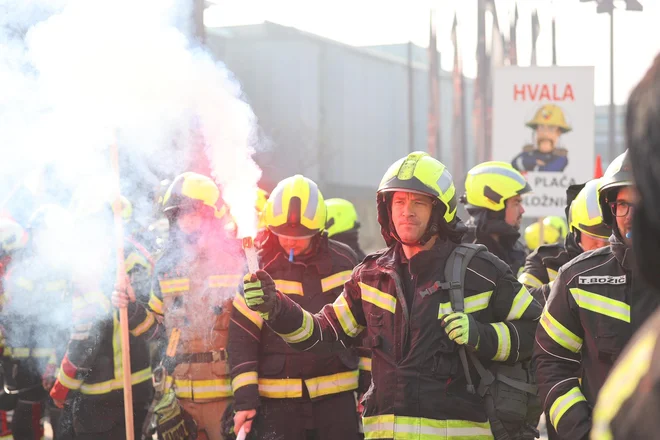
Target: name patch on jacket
(602,279)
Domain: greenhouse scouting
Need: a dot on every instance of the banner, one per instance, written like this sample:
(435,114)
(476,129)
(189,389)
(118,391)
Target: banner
(543,124)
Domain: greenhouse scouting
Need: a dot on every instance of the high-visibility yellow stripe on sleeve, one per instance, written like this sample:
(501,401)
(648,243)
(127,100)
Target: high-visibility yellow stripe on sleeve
(560,334)
(564,403)
(332,384)
(520,303)
(503,341)
(303,333)
(364,364)
(376,297)
(444,309)
(530,280)
(477,302)
(244,379)
(243,309)
(145,325)
(289,287)
(218,281)
(155,304)
(418,428)
(336,280)
(601,304)
(346,318)
(280,388)
(552,274)
(174,285)
(115,384)
(622,383)
(69,382)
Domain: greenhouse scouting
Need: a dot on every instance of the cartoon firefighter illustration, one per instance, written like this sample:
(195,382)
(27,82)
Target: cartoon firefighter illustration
(549,123)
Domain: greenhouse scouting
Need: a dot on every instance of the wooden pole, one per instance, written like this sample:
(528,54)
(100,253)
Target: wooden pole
(123,311)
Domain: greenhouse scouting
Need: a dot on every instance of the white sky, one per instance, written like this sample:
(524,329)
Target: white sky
(582,35)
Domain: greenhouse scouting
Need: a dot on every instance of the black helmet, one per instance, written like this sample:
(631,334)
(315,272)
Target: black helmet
(617,175)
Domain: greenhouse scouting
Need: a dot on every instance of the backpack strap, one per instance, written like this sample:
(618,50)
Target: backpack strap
(455,269)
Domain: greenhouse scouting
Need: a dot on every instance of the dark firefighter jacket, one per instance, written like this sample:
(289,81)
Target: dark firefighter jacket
(595,306)
(36,317)
(418,389)
(262,364)
(542,266)
(506,247)
(629,402)
(193,293)
(350,239)
(92,364)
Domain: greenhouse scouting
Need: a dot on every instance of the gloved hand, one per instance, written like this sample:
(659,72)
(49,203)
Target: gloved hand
(260,293)
(120,297)
(461,328)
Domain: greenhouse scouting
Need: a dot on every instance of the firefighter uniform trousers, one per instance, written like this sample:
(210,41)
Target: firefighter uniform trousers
(191,300)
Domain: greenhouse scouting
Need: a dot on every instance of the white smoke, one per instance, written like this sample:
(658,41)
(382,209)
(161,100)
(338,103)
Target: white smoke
(78,76)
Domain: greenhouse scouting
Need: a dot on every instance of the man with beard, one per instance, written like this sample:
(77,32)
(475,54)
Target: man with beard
(629,402)
(548,124)
(493,197)
(595,305)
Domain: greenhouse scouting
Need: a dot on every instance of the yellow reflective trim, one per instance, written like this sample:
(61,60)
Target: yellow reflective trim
(332,384)
(155,304)
(280,388)
(136,259)
(24,283)
(217,281)
(345,317)
(145,325)
(560,334)
(530,280)
(444,309)
(417,428)
(244,379)
(552,274)
(174,285)
(69,382)
(336,280)
(20,352)
(477,302)
(622,383)
(503,341)
(520,303)
(564,403)
(202,389)
(57,285)
(364,364)
(115,384)
(289,287)
(303,333)
(243,309)
(601,304)
(116,347)
(376,297)
(49,353)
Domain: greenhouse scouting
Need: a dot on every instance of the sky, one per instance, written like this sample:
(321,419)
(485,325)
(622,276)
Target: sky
(582,35)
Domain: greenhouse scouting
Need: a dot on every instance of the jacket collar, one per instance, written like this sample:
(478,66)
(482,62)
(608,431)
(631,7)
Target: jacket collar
(622,253)
(420,263)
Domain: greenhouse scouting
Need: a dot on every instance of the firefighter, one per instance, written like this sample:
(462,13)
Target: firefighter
(627,406)
(13,239)
(293,394)
(90,378)
(595,305)
(37,317)
(418,390)
(532,235)
(549,123)
(493,198)
(197,277)
(587,232)
(342,224)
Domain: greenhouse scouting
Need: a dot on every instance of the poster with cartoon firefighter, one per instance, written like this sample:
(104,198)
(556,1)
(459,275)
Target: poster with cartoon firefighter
(543,124)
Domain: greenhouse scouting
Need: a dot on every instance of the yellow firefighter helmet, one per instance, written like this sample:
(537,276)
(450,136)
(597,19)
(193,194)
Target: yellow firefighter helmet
(550,114)
(295,208)
(533,235)
(342,216)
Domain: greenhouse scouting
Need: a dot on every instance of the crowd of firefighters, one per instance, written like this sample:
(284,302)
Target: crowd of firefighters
(451,331)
